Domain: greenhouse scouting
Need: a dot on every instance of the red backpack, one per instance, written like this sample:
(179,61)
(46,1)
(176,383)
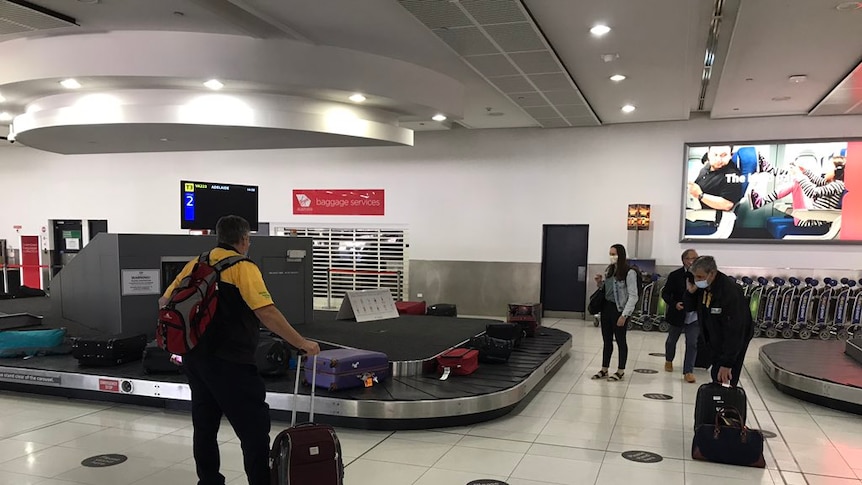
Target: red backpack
(192,306)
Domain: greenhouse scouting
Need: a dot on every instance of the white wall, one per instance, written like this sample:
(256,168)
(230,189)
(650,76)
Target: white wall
(465,195)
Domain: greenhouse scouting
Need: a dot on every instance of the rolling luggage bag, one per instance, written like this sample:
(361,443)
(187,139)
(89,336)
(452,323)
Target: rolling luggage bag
(505,331)
(23,343)
(527,315)
(410,307)
(713,397)
(348,368)
(109,350)
(443,310)
(306,453)
(158,360)
(460,362)
(492,350)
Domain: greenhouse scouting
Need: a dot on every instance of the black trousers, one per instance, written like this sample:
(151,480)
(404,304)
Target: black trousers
(736,370)
(611,331)
(236,391)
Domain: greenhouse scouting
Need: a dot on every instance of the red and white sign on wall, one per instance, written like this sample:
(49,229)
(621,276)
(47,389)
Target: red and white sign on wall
(338,202)
(31,270)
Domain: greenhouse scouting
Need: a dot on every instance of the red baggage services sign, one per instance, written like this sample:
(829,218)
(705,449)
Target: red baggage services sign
(338,202)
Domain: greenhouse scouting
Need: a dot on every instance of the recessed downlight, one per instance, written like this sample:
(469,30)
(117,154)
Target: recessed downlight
(214,84)
(4,116)
(617,78)
(70,83)
(628,108)
(357,98)
(439,117)
(600,29)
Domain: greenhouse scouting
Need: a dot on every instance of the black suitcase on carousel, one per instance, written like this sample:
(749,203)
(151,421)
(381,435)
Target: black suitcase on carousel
(442,310)
(108,350)
(158,360)
(506,331)
(272,356)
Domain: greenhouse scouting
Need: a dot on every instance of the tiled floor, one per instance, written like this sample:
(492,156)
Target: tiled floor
(572,430)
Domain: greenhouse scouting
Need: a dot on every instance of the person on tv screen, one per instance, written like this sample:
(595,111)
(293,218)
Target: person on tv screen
(719,184)
(825,192)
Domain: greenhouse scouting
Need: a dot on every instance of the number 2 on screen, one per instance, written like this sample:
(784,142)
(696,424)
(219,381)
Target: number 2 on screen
(190,200)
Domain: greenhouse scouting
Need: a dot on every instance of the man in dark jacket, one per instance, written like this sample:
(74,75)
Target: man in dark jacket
(724,317)
(680,319)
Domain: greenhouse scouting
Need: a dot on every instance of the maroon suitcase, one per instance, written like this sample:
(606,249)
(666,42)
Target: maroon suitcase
(527,315)
(410,307)
(459,362)
(306,453)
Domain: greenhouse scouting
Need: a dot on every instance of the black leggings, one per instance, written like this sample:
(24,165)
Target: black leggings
(611,331)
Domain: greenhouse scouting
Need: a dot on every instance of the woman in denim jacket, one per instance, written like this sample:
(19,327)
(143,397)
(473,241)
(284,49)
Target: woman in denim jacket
(621,297)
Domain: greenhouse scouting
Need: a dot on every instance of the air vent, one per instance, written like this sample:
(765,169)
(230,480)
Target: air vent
(18,16)
(500,40)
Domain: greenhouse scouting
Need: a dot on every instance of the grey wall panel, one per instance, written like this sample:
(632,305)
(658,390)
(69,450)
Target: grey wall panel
(477,287)
(89,288)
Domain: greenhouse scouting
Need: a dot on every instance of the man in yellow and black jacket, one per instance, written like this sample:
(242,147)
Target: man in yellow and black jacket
(221,370)
(724,316)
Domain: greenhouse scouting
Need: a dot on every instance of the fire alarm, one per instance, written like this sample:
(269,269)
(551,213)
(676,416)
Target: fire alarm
(44,229)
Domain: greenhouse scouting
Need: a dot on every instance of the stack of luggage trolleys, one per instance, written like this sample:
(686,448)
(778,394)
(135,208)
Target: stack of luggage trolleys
(803,308)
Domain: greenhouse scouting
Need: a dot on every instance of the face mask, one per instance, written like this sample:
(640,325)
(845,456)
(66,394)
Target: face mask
(614,259)
(702,284)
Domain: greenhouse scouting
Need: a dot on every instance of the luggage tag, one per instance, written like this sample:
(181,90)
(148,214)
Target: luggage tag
(446,372)
(368,379)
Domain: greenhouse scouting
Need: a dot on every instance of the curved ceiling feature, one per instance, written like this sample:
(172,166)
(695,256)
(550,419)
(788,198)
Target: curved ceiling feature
(155,120)
(277,65)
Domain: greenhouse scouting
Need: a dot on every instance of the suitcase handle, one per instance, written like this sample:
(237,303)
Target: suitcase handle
(296,389)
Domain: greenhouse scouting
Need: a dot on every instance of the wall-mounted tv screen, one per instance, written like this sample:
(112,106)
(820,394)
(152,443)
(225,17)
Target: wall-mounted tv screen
(786,192)
(203,203)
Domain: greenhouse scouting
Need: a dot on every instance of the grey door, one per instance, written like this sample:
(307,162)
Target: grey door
(564,267)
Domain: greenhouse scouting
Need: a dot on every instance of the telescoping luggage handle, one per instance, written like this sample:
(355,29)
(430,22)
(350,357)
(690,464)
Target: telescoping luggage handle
(296,389)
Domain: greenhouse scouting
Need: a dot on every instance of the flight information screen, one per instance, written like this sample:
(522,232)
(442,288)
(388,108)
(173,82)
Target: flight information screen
(203,203)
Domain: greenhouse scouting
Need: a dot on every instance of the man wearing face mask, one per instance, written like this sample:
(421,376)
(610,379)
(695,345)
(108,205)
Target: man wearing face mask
(681,320)
(221,370)
(724,316)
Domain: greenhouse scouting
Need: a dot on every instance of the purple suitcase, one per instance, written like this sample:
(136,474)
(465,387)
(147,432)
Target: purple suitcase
(349,368)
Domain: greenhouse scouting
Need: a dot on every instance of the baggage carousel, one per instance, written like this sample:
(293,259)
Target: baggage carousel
(828,373)
(413,398)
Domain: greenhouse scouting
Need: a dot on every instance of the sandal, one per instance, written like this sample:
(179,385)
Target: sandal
(616,376)
(602,374)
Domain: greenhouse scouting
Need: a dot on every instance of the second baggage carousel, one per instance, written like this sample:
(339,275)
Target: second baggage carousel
(414,398)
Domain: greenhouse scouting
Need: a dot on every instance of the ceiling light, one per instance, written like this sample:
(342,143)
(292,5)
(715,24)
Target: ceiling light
(798,78)
(357,98)
(600,30)
(214,84)
(438,117)
(4,116)
(628,108)
(849,6)
(70,83)
(781,98)
(617,78)
(2,99)
(610,57)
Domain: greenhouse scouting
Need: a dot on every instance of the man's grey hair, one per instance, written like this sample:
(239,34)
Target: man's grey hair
(231,229)
(705,264)
(685,253)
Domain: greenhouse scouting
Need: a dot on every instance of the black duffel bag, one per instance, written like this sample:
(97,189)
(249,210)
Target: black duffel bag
(728,441)
(492,350)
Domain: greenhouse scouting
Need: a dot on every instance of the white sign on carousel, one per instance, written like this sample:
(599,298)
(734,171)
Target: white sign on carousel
(367,305)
